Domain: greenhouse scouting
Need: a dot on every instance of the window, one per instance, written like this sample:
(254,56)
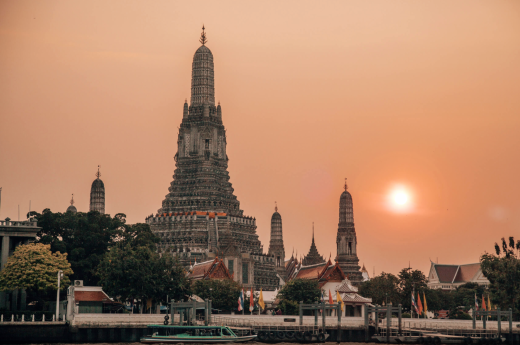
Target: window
(245,273)
(231,264)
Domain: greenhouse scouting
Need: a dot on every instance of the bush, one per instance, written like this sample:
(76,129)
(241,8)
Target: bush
(289,307)
(406,315)
(460,314)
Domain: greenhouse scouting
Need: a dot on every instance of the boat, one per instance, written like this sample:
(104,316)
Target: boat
(193,334)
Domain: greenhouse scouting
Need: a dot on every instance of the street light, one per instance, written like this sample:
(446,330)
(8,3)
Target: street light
(60,275)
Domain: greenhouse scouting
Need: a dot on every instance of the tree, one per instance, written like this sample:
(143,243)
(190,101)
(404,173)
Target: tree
(503,272)
(223,293)
(410,280)
(86,237)
(133,269)
(298,290)
(35,267)
(383,288)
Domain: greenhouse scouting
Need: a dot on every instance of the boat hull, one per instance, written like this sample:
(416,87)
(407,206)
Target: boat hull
(201,340)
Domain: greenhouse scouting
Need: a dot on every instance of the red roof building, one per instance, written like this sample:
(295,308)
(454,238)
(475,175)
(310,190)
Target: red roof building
(449,277)
(212,269)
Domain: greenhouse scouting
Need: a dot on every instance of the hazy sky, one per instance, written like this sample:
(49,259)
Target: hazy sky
(422,94)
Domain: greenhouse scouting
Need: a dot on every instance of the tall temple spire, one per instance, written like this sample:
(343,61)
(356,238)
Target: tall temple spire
(313,257)
(72,200)
(346,239)
(97,194)
(276,247)
(202,78)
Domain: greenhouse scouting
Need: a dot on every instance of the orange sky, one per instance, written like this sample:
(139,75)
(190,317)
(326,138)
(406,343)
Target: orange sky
(419,93)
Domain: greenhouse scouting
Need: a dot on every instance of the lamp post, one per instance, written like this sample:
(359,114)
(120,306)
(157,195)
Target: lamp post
(60,275)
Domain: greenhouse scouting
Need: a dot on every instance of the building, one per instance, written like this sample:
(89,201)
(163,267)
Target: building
(276,248)
(449,277)
(200,217)
(331,279)
(346,240)
(97,195)
(364,274)
(15,233)
(212,269)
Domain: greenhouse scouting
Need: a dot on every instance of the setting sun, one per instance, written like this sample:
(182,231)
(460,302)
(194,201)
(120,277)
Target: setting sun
(400,197)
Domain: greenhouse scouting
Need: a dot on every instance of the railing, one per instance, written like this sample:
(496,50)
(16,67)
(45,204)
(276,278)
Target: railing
(27,318)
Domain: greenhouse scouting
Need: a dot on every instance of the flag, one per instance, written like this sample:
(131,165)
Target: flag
(330,298)
(425,304)
(251,301)
(476,302)
(419,304)
(261,300)
(339,300)
(414,304)
(489,304)
(483,303)
(241,301)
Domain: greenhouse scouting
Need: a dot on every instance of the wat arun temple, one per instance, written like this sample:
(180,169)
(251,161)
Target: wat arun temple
(200,218)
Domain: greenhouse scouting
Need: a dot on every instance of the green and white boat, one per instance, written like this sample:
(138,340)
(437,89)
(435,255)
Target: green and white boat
(193,334)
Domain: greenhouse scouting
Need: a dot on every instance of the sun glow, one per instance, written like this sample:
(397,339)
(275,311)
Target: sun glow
(399,199)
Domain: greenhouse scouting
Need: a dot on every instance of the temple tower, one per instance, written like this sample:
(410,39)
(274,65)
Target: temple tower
(346,239)
(276,247)
(97,195)
(72,208)
(200,217)
(313,257)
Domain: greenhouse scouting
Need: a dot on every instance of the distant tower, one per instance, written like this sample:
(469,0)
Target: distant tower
(276,247)
(72,208)
(313,257)
(97,195)
(346,239)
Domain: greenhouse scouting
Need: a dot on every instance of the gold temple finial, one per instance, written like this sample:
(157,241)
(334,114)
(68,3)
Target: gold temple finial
(275,207)
(346,187)
(72,200)
(98,174)
(203,39)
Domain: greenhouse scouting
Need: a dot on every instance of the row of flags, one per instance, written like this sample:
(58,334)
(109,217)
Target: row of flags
(485,306)
(418,306)
(251,300)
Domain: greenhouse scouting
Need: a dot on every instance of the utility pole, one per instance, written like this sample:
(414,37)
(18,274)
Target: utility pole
(60,275)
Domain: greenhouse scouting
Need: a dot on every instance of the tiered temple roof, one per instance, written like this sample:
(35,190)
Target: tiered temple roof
(313,257)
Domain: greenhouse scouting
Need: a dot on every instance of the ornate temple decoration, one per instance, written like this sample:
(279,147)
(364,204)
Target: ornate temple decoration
(346,239)
(200,217)
(276,247)
(212,269)
(72,208)
(313,257)
(97,194)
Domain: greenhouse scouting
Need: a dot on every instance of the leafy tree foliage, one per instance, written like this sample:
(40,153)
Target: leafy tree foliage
(381,289)
(86,237)
(410,280)
(35,267)
(132,269)
(224,293)
(304,290)
(503,272)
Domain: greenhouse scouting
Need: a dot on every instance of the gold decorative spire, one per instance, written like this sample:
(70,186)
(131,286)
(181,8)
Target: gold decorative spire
(203,39)
(346,184)
(98,174)
(275,207)
(72,200)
